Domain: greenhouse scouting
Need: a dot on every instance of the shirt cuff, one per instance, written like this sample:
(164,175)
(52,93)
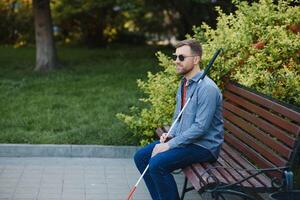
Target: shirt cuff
(172,143)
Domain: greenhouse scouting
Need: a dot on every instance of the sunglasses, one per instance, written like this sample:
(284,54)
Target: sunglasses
(180,57)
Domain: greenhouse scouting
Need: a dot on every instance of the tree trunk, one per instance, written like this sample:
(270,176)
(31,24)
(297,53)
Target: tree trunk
(46,57)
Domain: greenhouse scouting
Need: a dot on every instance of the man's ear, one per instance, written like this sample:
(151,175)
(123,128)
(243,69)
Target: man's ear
(196,60)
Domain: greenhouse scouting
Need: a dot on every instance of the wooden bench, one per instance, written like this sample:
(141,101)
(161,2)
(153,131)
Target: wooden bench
(260,147)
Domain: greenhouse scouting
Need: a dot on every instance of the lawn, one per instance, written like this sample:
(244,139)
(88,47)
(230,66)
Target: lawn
(76,104)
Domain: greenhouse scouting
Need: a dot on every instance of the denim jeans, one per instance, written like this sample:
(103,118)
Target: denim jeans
(159,180)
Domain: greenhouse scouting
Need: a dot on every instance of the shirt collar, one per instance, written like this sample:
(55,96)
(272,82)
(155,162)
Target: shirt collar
(195,78)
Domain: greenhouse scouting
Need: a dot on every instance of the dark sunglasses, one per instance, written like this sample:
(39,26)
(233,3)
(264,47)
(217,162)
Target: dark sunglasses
(180,57)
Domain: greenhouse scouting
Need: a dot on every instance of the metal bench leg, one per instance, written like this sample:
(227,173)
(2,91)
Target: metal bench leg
(184,188)
(289,176)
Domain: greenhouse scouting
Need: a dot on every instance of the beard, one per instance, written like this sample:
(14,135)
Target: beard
(183,70)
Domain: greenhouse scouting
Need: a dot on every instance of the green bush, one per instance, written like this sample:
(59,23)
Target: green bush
(262,50)
(160,89)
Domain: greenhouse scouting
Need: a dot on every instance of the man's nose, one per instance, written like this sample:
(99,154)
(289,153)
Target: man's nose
(176,61)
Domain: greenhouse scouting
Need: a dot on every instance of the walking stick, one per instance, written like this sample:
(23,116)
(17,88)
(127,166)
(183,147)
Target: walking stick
(178,116)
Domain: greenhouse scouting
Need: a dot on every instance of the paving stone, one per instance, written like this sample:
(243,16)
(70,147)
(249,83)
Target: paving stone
(5,195)
(97,196)
(49,178)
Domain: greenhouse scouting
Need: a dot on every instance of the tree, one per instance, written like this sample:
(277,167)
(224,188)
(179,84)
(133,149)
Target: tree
(96,23)
(46,57)
(85,21)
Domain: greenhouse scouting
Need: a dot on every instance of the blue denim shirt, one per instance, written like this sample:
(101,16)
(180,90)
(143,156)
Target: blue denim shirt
(201,122)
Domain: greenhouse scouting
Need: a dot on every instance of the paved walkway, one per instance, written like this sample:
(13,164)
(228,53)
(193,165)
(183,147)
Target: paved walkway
(62,178)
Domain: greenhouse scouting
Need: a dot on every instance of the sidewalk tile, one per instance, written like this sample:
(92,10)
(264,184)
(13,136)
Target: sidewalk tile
(46,178)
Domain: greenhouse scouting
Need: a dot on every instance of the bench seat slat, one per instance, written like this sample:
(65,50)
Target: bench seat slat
(262,124)
(159,132)
(274,119)
(192,177)
(224,175)
(213,171)
(287,112)
(252,144)
(203,175)
(166,129)
(234,155)
(233,173)
(249,153)
(201,172)
(259,135)
(223,172)
(253,182)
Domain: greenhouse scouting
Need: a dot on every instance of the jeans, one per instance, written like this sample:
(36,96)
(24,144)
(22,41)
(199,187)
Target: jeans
(159,180)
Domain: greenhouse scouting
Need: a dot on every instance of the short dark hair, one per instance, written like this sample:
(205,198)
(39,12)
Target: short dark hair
(195,46)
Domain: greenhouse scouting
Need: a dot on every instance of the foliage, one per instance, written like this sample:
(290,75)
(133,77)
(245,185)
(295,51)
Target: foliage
(16,22)
(160,89)
(87,22)
(262,45)
(97,23)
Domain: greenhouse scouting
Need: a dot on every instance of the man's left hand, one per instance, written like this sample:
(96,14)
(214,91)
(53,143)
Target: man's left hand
(159,148)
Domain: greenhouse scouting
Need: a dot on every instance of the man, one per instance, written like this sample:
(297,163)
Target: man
(198,134)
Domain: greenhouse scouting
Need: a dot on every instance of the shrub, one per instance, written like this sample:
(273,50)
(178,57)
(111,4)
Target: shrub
(262,47)
(262,50)
(160,89)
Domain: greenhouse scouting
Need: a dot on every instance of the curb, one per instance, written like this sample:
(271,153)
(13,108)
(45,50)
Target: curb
(53,150)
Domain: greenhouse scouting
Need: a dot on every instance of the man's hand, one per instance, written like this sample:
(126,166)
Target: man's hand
(163,138)
(159,148)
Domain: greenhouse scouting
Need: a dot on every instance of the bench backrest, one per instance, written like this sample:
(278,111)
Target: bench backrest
(263,130)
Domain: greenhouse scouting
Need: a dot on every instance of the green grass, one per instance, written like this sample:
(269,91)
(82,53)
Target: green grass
(76,104)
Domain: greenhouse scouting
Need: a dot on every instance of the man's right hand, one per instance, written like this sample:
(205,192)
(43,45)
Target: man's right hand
(163,138)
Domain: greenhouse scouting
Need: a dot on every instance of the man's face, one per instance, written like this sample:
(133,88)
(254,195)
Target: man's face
(186,65)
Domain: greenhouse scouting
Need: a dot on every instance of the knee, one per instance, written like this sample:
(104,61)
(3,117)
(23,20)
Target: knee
(139,156)
(144,154)
(154,166)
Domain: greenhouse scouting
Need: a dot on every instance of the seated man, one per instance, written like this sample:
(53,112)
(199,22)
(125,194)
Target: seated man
(198,134)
